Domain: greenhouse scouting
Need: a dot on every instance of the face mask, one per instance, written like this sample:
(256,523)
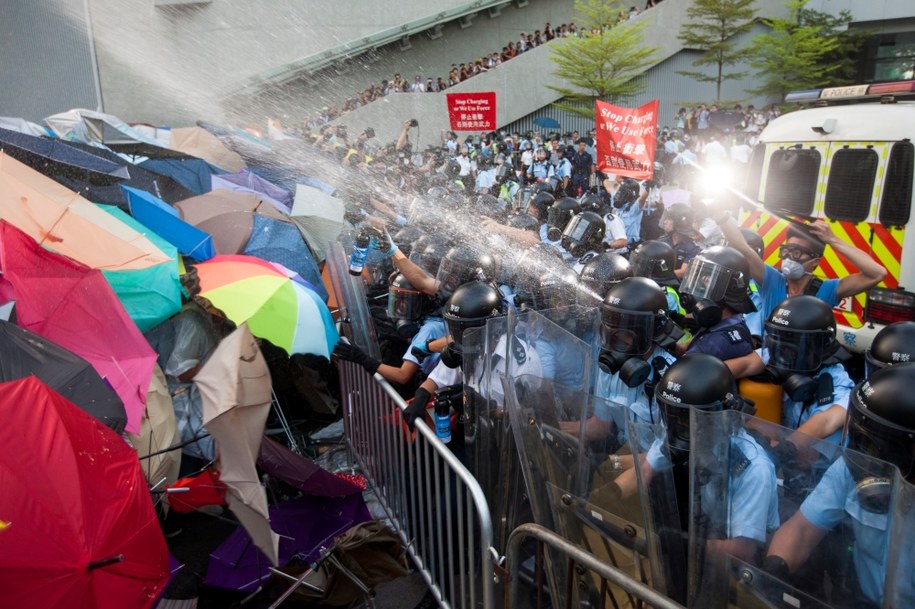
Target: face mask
(705,312)
(633,371)
(451,356)
(792,269)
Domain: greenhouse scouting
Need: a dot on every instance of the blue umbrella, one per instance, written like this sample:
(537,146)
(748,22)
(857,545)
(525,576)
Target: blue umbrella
(53,158)
(194,174)
(546,122)
(282,242)
(164,220)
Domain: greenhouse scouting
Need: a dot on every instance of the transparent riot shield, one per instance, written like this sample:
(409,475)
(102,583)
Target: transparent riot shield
(753,588)
(662,485)
(900,574)
(355,320)
(583,323)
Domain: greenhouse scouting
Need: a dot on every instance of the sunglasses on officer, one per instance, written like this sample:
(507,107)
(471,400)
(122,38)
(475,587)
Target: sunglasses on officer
(796,252)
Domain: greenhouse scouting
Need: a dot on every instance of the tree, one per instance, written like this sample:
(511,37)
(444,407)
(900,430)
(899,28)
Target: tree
(792,56)
(850,41)
(711,29)
(604,62)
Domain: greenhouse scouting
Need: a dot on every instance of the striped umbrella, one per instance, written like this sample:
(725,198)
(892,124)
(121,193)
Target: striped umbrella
(278,305)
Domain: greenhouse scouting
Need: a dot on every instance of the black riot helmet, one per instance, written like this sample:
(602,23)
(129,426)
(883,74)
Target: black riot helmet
(522,198)
(626,194)
(543,187)
(558,288)
(539,205)
(428,251)
(471,305)
(491,206)
(535,262)
(881,424)
(603,272)
(452,169)
(679,218)
(894,344)
(656,260)
(407,306)
(558,216)
(717,276)
(406,237)
(462,264)
(696,380)
(595,202)
(583,233)
(524,222)
(633,315)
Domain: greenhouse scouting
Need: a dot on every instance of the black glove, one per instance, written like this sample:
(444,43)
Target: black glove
(416,409)
(354,354)
(776,567)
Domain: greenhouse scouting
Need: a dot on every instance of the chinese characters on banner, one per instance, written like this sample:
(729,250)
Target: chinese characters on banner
(626,139)
(472,111)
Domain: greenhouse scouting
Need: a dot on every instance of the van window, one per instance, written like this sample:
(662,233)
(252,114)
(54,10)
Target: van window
(851,184)
(897,188)
(791,183)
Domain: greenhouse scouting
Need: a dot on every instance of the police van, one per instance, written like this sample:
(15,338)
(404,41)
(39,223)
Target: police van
(847,158)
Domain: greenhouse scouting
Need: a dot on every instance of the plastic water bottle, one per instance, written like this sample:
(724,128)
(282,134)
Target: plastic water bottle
(360,251)
(443,420)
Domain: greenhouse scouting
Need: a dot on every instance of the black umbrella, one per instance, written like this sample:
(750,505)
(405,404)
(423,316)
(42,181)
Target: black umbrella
(24,353)
(53,158)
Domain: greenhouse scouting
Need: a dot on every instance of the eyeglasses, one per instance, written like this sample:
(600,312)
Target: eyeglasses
(796,253)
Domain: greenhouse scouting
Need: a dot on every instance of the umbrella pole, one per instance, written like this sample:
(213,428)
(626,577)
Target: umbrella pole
(105,562)
(293,445)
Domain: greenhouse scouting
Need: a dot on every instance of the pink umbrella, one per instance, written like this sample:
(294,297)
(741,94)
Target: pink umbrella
(73,306)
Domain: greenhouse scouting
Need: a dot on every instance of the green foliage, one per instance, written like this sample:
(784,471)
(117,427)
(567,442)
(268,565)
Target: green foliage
(604,63)
(850,42)
(711,29)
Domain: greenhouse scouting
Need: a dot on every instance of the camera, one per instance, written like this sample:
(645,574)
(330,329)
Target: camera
(414,122)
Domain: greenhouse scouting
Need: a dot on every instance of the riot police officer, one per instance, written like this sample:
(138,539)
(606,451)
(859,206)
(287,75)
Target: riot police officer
(677,222)
(583,238)
(657,261)
(894,344)
(602,272)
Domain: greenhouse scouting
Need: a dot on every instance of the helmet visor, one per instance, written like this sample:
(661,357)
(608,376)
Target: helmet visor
(628,332)
(451,274)
(578,229)
(879,438)
(653,268)
(405,304)
(705,279)
(796,350)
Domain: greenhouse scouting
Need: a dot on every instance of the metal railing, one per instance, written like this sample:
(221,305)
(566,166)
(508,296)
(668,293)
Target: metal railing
(434,503)
(577,557)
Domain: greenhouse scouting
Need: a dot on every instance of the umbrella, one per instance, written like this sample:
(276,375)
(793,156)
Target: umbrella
(228,216)
(21,125)
(54,158)
(247,181)
(202,144)
(79,529)
(63,221)
(319,216)
(305,524)
(164,220)
(236,390)
(72,305)
(150,295)
(546,122)
(24,353)
(276,306)
(194,174)
(90,127)
(282,243)
(158,430)
(301,473)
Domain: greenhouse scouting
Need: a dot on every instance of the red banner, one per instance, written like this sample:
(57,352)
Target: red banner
(626,139)
(472,111)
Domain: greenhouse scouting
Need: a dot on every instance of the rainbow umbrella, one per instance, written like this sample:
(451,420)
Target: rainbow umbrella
(277,304)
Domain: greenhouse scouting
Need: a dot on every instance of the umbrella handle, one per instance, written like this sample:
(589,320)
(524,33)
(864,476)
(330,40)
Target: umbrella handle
(98,564)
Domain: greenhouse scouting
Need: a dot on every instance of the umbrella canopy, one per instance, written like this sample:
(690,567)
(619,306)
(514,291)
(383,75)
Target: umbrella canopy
(79,529)
(282,243)
(24,353)
(202,144)
(228,216)
(236,391)
(163,219)
(547,122)
(73,306)
(14,123)
(150,295)
(54,158)
(194,174)
(63,221)
(271,301)
(158,430)
(247,181)
(304,474)
(90,127)
(306,524)
(319,216)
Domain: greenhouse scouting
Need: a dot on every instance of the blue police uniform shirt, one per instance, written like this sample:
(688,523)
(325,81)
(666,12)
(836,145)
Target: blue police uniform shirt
(775,289)
(826,507)
(723,340)
(631,215)
(541,170)
(561,361)
(432,328)
(756,319)
(566,256)
(686,249)
(564,169)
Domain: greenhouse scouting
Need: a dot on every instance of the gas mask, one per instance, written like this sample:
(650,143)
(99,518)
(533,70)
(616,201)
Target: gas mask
(633,371)
(798,387)
(704,285)
(705,312)
(625,337)
(452,355)
(792,269)
(406,329)
(581,233)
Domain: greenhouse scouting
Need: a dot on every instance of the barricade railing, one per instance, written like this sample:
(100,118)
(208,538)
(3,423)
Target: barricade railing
(435,504)
(578,561)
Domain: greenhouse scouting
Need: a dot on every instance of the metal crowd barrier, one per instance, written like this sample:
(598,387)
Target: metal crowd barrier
(436,506)
(578,560)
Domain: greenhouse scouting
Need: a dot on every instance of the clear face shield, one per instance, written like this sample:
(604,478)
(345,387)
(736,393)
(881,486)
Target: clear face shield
(705,280)
(405,304)
(576,236)
(796,350)
(626,332)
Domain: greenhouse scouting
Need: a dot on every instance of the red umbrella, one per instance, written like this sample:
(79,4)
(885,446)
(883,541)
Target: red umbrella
(77,526)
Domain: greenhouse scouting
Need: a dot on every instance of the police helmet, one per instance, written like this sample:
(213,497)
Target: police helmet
(531,266)
(491,206)
(558,215)
(583,233)
(543,187)
(558,288)
(627,193)
(679,218)
(540,205)
(719,274)
(894,344)
(522,198)
(462,264)
(452,169)
(800,334)
(603,272)
(470,306)
(596,203)
(405,302)
(881,418)
(632,314)
(428,251)
(406,237)
(524,222)
(656,260)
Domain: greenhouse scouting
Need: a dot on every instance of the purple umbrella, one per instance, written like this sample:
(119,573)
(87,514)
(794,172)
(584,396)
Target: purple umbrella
(245,181)
(305,525)
(304,474)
